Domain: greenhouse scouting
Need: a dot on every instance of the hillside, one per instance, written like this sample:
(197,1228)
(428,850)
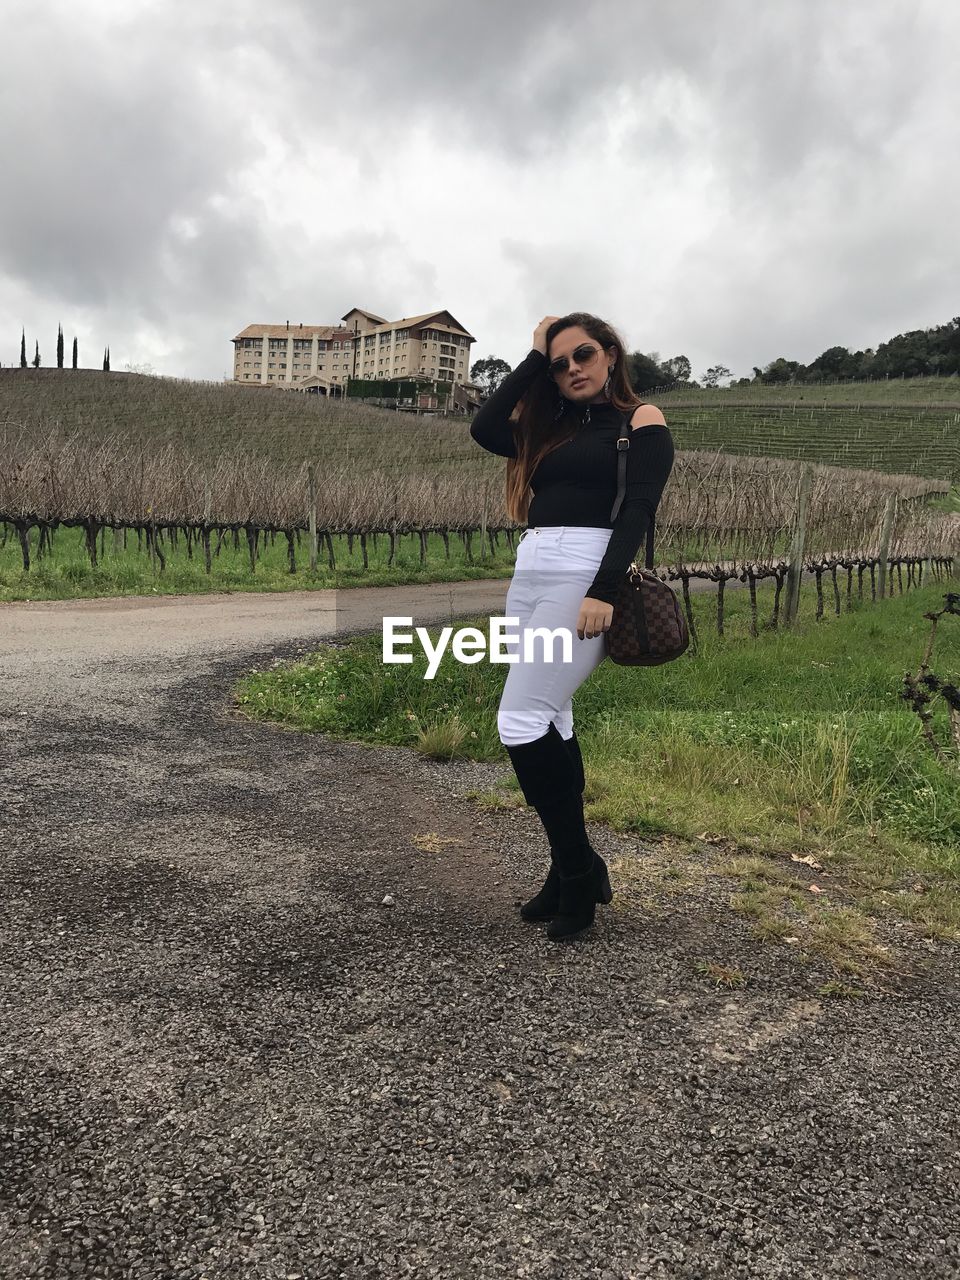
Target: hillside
(887,433)
(930,392)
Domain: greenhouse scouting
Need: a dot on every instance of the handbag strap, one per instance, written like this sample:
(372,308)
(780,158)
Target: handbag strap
(623,444)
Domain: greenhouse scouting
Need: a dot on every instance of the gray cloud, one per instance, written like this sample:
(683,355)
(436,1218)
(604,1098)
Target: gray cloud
(732,181)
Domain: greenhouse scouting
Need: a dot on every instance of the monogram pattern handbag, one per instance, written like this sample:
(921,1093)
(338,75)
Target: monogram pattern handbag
(649,626)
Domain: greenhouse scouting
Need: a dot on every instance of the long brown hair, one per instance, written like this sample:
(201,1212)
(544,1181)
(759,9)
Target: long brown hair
(538,429)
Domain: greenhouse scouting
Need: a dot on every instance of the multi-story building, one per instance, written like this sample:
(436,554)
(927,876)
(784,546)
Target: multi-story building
(324,358)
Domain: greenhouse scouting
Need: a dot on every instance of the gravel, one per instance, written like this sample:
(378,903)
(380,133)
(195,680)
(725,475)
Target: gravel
(223,1053)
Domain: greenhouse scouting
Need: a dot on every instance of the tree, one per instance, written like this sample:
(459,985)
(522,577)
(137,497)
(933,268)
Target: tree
(713,375)
(643,371)
(147,369)
(74,352)
(781,370)
(106,359)
(676,369)
(23,349)
(59,347)
(489,372)
(36,358)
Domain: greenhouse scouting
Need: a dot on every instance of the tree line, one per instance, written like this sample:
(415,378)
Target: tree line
(36,358)
(918,353)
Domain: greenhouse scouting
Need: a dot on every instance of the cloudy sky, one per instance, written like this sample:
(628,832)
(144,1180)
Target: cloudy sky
(723,179)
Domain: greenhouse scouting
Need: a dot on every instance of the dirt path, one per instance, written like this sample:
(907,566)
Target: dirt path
(222,1056)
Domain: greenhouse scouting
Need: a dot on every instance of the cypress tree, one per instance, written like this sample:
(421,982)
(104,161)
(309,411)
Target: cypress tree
(36,358)
(23,349)
(59,347)
(74,352)
(106,359)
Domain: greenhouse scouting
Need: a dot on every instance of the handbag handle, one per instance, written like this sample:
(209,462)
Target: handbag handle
(623,444)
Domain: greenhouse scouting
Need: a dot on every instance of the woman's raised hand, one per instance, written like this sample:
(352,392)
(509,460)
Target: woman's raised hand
(540,333)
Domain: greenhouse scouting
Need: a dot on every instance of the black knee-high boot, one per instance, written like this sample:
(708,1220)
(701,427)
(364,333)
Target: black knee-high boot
(551,780)
(575,754)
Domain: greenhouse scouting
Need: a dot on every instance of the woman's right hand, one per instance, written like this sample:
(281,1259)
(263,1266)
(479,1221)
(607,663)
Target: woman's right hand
(540,333)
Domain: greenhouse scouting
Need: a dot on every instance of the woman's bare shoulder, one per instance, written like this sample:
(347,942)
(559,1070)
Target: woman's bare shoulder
(647,415)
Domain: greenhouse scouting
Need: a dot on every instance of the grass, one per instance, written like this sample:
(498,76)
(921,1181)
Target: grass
(721,975)
(789,757)
(948,502)
(124,566)
(67,573)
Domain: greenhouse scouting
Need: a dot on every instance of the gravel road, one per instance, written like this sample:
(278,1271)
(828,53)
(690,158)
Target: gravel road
(222,1056)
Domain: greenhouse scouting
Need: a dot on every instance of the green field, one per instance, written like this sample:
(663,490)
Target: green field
(125,567)
(916,440)
(890,391)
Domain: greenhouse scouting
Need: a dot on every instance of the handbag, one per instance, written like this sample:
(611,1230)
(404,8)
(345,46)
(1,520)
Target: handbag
(649,626)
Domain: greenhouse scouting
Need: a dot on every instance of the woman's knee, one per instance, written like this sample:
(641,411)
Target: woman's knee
(516,727)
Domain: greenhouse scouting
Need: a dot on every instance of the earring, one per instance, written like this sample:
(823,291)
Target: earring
(606,385)
(561,407)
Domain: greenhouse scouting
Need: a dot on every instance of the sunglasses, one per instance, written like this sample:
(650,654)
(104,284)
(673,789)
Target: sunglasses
(584,357)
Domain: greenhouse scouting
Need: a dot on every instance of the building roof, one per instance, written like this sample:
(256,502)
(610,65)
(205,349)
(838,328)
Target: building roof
(369,314)
(295,331)
(421,321)
(426,320)
(448,329)
(418,322)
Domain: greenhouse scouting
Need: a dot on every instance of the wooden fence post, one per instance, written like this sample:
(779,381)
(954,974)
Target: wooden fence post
(796,551)
(207,513)
(312,516)
(886,534)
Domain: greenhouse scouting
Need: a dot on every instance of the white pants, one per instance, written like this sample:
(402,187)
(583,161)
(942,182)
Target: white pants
(554,567)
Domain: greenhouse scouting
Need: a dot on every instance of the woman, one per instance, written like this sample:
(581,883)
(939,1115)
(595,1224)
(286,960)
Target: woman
(571,559)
